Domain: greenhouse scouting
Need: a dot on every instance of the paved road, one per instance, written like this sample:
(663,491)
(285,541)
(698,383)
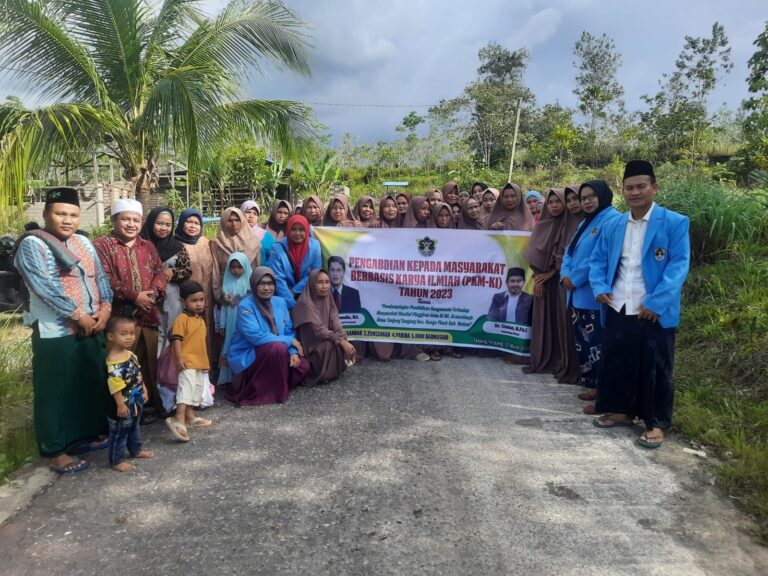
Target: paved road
(461,467)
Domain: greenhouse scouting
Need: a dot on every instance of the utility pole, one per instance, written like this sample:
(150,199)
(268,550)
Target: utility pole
(99,191)
(514,139)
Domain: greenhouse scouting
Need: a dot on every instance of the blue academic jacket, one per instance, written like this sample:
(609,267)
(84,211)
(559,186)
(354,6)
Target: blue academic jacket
(283,268)
(252,331)
(666,259)
(576,267)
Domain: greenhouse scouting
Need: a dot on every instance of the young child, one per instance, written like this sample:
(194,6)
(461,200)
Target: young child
(128,394)
(235,287)
(191,359)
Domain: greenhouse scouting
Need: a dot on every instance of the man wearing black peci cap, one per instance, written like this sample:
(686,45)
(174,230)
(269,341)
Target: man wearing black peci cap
(637,273)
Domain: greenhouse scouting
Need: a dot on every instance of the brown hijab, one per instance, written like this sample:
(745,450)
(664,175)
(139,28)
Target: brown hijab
(569,227)
(370,223)
(436,209)
(520,218)
(465,222)
(546,237)
(383,222)
(410,220)
(244,241)
(278,230)
(348,221)
(319,202)
(448,188)
(264,306)
(312,308)
(432,192)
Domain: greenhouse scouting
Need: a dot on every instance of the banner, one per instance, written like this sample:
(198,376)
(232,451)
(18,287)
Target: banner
(467,288)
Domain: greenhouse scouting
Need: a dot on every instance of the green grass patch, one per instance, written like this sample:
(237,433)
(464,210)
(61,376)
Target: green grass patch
(722,372)
(17,437)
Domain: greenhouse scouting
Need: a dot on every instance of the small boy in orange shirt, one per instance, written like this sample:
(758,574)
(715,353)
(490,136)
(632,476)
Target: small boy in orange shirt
(191,359)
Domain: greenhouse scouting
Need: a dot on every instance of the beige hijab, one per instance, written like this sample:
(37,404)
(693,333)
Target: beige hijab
(312,308)
(372,222)
(384,223)
(348,221)
(520,218)
(319,202)
(244,241)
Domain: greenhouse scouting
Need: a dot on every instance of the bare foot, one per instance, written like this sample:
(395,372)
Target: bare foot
(123,467)
(144,454)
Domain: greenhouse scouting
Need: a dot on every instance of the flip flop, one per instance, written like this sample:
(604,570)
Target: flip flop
(454,354)
(651,445)
(70,467)
(198,422)
(435,356)
(89,447)
(607,421)
(176,429)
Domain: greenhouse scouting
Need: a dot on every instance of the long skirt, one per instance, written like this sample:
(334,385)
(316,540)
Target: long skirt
(588,333)
(69,376)
(269,379)
(636,379)
(546,355)
(326,362)
(570,369)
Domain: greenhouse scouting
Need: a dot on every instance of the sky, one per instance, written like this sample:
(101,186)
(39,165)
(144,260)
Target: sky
(416,52)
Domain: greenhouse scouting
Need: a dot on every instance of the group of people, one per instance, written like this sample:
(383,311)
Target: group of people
(141,323)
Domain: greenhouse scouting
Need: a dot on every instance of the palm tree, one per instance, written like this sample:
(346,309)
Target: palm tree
(136,82)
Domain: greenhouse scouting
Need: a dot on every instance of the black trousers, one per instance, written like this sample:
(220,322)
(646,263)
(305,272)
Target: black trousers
(636,377)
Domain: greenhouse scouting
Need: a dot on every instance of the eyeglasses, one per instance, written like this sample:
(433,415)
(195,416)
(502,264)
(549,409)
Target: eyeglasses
(266,283)
(587,197)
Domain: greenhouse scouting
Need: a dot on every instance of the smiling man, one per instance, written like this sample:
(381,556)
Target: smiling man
(69,305)
(136,275)
(637,273)
(512,305)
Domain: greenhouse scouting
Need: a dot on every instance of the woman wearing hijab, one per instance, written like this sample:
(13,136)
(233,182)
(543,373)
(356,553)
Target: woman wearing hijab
(275,230)
(451,193)
(264,356)
(234,235)
(534,199)
(434,196)
(510,212)
(441,216)
(365,212)
(338,212)
(158,229)
(293,259)
(418,213)
(189,231)
(234,289)
(403,200)
(313,210)
(596,200)
(477,191)
(570,371)
(319,330)
(252,213)
(549,303)
(389,215)
(489,199)
(471,217)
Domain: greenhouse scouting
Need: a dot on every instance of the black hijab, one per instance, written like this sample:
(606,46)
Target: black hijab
(167,247)
(604,200)
(182,236)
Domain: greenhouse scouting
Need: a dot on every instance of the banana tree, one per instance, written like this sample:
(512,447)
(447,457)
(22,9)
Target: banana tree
(138,82)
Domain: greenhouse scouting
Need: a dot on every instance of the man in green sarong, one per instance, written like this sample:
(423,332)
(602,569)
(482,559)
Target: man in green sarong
(69,305)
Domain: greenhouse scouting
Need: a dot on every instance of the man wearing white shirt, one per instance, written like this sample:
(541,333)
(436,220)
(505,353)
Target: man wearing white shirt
(637,273)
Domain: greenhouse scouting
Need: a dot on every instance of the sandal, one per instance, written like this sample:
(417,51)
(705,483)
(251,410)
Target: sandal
(177,429)
(650,441)
(85,447)
(198,422)
(435,355)
(609,421)
(454,354)
(74,465)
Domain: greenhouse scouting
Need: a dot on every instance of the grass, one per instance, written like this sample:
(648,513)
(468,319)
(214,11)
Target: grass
(722,371)
(17,437)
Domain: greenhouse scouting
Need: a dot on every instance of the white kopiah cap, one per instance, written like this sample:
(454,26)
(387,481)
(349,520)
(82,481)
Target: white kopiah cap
(127,205)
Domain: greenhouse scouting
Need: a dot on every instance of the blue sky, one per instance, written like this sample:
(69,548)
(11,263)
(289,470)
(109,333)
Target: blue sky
(420,51)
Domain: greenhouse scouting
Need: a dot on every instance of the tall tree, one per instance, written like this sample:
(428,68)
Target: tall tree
(754,155)
(137,81)
(597,87)
(678,115)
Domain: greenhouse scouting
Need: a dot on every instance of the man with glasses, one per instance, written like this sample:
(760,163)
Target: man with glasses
(637,273)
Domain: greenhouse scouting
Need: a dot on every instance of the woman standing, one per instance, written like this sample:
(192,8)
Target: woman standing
(596,200)
(365,212)
(319,330)
(451,193)
(510,212)
(470,218)
(418,213)
(389,216)
(265,358)
(293,258)
(252,213)
(313,210)
(548,304)
(403,200)
(275,230)
(441,216)
(338,213)
(490,197)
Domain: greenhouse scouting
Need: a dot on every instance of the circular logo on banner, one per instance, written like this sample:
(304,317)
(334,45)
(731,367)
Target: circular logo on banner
(426,246)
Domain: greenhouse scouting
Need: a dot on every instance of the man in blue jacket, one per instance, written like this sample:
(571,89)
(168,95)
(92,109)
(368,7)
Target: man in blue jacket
(637,273)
